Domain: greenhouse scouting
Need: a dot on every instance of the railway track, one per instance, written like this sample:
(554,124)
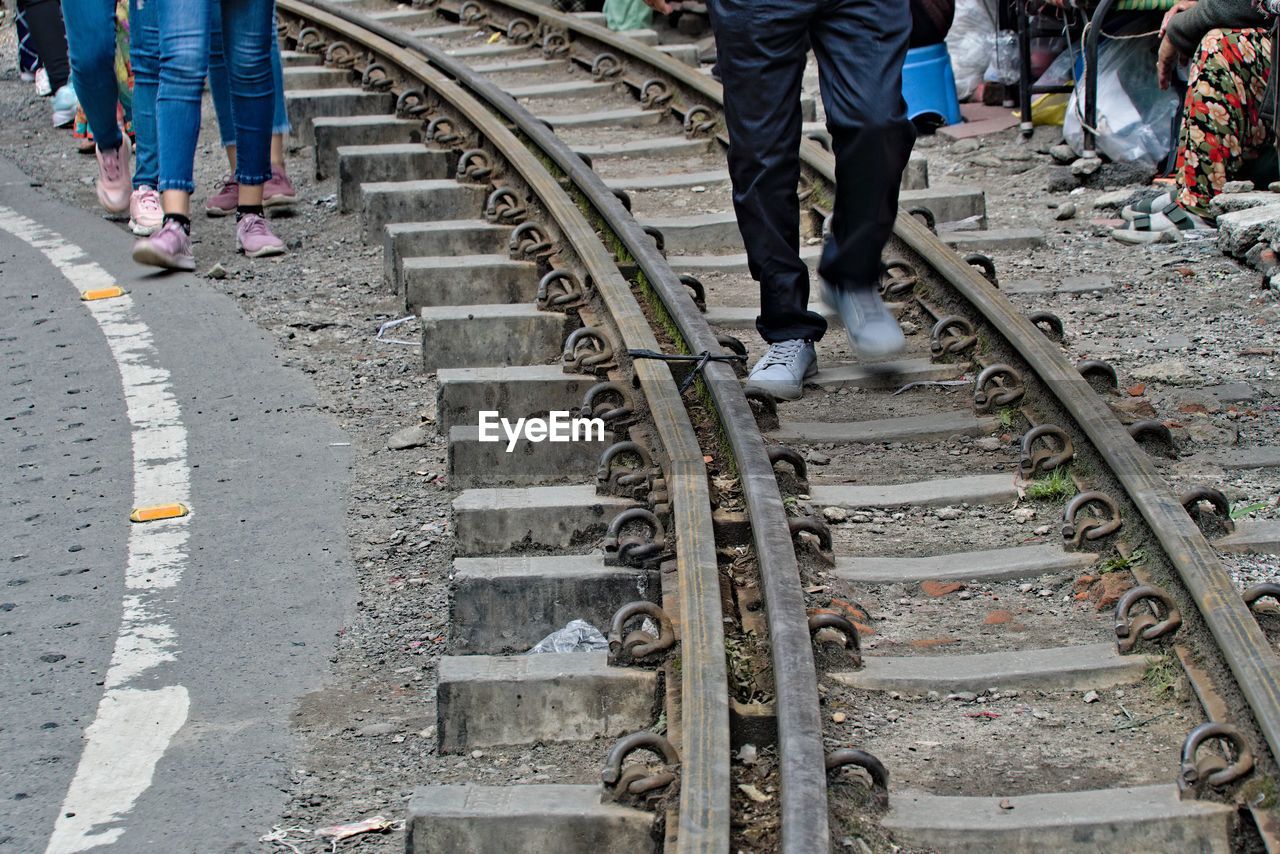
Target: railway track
(958,547)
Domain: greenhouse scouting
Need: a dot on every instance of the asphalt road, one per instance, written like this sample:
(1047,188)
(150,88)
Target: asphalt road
(148,672)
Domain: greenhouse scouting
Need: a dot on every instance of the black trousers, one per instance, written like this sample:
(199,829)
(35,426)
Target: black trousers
(44,20)
(761,47)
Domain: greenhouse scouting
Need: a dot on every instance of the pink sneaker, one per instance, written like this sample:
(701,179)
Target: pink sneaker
(113,177)
(254,237)
(225,200)
(170,248)
(278,190)
(145,215)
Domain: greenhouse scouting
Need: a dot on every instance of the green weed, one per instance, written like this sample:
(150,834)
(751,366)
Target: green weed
(1120,563)
(1057,485)
(1162,675)
(1238,511)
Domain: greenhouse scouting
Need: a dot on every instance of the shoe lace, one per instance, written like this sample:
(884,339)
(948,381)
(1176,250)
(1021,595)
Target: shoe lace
(782,352)
(226,181)
(111,166)
(254,224)
(148,201)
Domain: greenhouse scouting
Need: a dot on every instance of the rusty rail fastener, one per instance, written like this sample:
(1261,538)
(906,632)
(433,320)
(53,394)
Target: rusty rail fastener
(586,349)
(951,334)
(898,278)
(997,385)
(608,401)
(698,291)
(867,762)
(1151,429)
(504,206)
(610,476)
(1191,499)
(528,238)
(559,288)
(843,625)
(639,643)
(985,266)
(1104,371)
(1212,771)
(637,779)
(1129,630)
(790,456)
(1058,450)
(605,65)
(1049,323)
(1091,527)
(440,130)
(634,551)
(1261,591)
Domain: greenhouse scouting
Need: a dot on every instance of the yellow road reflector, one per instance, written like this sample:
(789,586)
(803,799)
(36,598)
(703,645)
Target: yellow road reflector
(102,293)
(158,511)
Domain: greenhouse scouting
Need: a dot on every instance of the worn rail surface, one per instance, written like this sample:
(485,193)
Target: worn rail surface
(579,97)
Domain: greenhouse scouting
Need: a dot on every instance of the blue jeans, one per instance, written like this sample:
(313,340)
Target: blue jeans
(860,46)
(248,30)
(220,82)
(144,57)
(91,47)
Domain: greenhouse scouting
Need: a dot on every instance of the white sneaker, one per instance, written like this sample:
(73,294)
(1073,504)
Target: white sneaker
(782,370)
(873,330)
(43,86)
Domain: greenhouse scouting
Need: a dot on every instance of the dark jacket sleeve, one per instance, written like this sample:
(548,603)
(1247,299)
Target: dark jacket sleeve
(1187,28)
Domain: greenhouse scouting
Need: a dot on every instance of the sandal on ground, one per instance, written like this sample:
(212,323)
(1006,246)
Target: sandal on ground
(1136,237)
(1170,220)
(1146,206)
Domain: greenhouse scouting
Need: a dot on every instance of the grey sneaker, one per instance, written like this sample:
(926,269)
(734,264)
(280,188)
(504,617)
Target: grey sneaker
(873,330)
(783,369)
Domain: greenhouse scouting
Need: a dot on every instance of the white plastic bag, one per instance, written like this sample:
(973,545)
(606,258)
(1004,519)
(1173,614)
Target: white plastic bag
(577,636)
(1134,114)
(971,41)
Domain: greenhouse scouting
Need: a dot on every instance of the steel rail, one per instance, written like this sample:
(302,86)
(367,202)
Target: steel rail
(1244,647)
(704,753)
(802,760)
(1251,659)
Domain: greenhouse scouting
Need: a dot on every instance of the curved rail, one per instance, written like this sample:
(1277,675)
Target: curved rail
(1253,663)
(704,793)
(1252,660)
(800,748)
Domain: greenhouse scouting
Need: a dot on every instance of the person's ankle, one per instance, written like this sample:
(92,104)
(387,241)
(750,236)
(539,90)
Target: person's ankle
(183,221)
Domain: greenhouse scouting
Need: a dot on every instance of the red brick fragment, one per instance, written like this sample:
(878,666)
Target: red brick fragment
(1107,592)
(941,588)
(1138,390)
(998,618)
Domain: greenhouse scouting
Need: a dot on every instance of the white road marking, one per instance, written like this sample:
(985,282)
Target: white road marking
(137,718)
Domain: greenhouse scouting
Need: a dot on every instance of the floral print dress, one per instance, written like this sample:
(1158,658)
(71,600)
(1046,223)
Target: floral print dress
(1222,132)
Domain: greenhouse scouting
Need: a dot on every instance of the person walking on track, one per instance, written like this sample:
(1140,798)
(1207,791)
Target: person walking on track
(761,50)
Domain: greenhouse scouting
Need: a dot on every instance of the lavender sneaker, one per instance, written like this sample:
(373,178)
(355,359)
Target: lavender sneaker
(170,248)
(278,190)
(224,201)
(254,237)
